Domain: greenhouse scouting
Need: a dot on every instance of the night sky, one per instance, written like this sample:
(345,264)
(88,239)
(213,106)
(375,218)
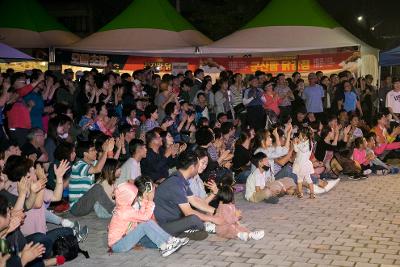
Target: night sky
(218,18)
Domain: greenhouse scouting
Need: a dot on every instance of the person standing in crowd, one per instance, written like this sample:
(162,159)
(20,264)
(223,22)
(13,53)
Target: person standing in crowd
(253,100)
(198,80)
(313,96)
(286,94)
(393,100)
(387,86)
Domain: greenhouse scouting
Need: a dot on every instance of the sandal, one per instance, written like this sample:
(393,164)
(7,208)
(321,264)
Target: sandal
(299,195)
(312,195)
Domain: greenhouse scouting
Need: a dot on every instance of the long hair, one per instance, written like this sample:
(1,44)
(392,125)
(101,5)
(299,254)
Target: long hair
(108,171)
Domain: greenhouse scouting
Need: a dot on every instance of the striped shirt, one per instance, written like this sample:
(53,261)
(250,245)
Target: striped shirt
(80,181)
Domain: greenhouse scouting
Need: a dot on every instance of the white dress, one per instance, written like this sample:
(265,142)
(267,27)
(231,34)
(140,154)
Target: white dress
(302,165)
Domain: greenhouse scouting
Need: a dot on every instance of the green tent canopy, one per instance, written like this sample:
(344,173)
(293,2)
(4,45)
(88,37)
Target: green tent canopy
(26,24)
(287,26)
(145,27)
(295,13)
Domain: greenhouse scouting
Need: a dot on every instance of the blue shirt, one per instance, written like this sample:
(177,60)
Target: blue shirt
(37,110)
(350,101)
(313,97)
(169,195)
(256,93)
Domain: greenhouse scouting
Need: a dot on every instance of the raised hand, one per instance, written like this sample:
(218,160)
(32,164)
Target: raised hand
(37,186)
(17,218)
(23,186)
(61,170)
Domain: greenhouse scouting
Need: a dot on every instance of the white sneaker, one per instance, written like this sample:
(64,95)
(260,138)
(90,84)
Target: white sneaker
(244,236)
(67,223)
(170,247)
(256,235)
(210,227)
(367,172)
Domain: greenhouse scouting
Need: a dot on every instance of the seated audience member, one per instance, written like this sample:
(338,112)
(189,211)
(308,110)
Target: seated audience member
(155,164)
(83,171)
(131,169)
(34,148)
(174,201)
(131,221)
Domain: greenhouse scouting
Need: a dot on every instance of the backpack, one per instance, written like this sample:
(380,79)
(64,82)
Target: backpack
(68,247)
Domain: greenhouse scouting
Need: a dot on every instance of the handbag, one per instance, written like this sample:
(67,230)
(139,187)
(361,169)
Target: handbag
(68,247)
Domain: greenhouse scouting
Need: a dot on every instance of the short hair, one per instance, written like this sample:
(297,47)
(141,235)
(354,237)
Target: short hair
(201,152)
(188,72)
(187,81)
(220,115)
(197,72)
(16,167)
(226,127)
(134,145)
(204,136)
(32,132)
(150,135)
(125,128)
(201,94)
(225,194)
(63,151)
(186,159)
(169,108)
(150,109)
(83,147)
(256,158)
(358,142)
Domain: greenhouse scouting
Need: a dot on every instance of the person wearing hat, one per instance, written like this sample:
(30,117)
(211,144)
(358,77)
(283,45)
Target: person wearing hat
(253,100)
(393,100)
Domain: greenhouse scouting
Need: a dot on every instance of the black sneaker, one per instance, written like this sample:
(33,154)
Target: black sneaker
(194,234)
(272,200)
(354,177)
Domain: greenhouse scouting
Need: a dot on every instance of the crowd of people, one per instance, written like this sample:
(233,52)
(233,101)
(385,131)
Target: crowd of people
(163,158)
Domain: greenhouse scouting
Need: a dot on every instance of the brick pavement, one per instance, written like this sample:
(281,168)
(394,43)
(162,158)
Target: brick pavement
(356,224)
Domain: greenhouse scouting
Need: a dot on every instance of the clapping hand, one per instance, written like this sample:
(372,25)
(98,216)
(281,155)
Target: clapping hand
(23,186)
(16,219)
(32,251)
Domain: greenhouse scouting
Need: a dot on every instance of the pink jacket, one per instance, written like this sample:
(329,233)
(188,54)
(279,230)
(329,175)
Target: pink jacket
(229,226)
(125,218)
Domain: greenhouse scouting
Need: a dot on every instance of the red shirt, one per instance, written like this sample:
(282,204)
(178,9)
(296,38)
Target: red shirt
(272,103)
(19,114)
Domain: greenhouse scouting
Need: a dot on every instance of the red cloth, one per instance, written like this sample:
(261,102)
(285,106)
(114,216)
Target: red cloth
(24,90)
(272,103)
(19,116)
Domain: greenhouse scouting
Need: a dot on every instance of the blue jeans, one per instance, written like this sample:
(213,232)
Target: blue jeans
(52,218)
(287,171)
(150,229)
(242,177)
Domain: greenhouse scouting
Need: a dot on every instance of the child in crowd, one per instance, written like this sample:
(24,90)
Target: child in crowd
(261,185)
(360,156)
(302,166)
(228,216)
(131,220)
(377,163)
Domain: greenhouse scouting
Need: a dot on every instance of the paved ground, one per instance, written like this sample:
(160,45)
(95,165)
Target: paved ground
(356,224)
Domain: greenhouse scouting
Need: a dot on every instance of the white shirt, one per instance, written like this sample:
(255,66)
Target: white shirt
(130,170)
(256,178)
(393,101)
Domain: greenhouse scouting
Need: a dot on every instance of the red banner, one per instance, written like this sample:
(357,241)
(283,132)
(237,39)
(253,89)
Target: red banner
(245,65)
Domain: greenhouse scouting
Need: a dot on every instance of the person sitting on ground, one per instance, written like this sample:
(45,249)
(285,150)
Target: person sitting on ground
(131,221)
(131,169)
(83,171)
(34,148)
(260,184)
(228,216)
(174,201)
